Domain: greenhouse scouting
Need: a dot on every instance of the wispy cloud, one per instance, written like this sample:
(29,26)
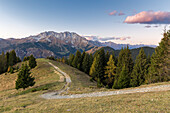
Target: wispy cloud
(149,17)
(96,38)
(113,13)
(121,13)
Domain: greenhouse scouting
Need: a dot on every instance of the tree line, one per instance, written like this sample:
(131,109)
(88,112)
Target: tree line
(121,72)
(24,79)
(8,60)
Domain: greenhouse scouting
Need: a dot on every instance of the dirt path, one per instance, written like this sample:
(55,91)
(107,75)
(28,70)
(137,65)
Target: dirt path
(64,89)
(56,95)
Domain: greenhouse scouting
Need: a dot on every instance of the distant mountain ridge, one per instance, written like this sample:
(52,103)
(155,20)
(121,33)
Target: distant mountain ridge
(53,44)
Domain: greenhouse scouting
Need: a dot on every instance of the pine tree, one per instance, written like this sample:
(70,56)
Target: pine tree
(120,64)
(70,59)
(124,79)
(107,57)
(32,62)
(114,58)
(124,59)
(128,60)
(110,72)
(77,60)
(139,70)
(82,58)
(7,58)
(91,59)
(97,69)
(12,58)
(160,61)
(86,63)
(24,79)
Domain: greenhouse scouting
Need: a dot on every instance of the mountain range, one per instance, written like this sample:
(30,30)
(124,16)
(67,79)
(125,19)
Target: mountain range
(55,44)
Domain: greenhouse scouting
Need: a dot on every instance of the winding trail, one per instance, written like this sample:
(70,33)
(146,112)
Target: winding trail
(56,94)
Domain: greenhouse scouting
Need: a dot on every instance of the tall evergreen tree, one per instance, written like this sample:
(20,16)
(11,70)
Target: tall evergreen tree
(114,58)
(139,70)
(7,58)
(160,61)
(110,72)
(82,58)
(86,63)
(107,57)
(91,59)
(77,60)
(12,58)
(70,59)
(3,63)
(124,79)
(120,64)
(97,69)
(24,79)
(32,62)
(124,59)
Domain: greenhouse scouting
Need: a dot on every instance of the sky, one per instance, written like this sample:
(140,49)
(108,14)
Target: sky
(119,21)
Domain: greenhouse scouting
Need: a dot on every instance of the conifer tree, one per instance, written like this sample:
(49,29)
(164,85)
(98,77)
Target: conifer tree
(124,79)
(97,69)
(160,61)
(86,63)
(91,59)
(124,59)
(77,60)
(3,63)
(12,58)
(114,58)
(70,59)
(32,62)
(107,57)
(128,60)
(110,72)
(7,58)
(24,79)
(93,69)
(120,64)
(82,58)
(139,70)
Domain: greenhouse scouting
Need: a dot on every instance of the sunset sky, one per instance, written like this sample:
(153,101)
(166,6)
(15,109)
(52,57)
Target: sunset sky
(120,21)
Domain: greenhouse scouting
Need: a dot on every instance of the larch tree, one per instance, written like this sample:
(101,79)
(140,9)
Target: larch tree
(110,72)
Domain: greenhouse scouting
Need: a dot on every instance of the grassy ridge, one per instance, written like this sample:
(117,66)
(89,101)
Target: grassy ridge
(29,101)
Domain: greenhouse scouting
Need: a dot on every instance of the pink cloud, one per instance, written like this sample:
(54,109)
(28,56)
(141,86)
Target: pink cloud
(113,13)
(121,13)
(149,17)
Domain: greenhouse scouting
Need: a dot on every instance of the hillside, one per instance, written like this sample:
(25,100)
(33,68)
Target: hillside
(47,80)
(54,44)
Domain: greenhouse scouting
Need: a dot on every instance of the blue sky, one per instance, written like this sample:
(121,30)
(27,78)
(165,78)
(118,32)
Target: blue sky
(21,18)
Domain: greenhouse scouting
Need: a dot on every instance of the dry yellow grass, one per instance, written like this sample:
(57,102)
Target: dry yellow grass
(44,74)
